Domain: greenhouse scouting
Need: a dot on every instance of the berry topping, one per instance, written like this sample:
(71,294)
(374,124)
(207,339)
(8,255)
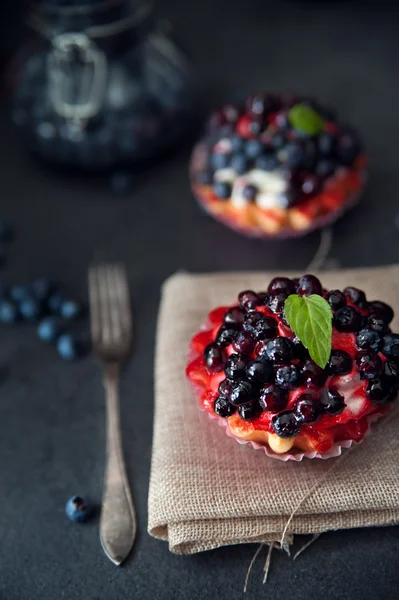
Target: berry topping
(336,299)
(281,284)
(279,351)
(332,402)
(288,377)
(249,411)
(242,391)
(391,372)
(222,189)
(235,366)
(307,408)
(367,339)
(239,163)
(299,349)
(313,376)
(234,316)
(348,319)
(368,363)
(253,148)
(378,325)
(391,345)
(226,335)
(223,408)
(285,424)
(260,371)
(248,300)
(340,363)
(267,162)
(273,398)
(214,358)
(380,310)
(309,284)
(259,326)
(244,343)
(355,296)
(225,388)
(276,302)
(379,390)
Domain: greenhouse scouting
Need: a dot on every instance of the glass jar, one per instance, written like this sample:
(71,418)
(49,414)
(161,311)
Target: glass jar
(103,84)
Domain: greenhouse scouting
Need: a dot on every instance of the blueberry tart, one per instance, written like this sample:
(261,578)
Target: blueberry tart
(277,166)
(296,369)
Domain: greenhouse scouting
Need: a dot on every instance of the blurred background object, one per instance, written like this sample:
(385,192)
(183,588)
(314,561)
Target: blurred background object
(100,83)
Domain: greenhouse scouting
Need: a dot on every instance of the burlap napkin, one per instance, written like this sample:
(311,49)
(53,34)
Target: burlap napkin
(206,490)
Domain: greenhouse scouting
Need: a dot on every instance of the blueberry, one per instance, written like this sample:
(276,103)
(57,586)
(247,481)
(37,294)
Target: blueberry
(237,144)
(380,391)
(276,302)
(278,141)
(225,388)
(288,377)
(378,325)
(279,351)
(248,300)
(260,326)
(326,143)
(391,371)
(222,189)
(367,339)
(30,309)
(42,288)
(285,424)
(8,311)
(391,345)
(260,371)
(348,319)
(223,408)
(220,160)
(242,391)
(49,329)
(19,292)
(235,366)
(356,296)
(307,408)
(6,232)
(299,349)
(239,163)
(234,316)
(214,358)
(336,299)
(253,148)
(121,182)
(71,346)
(313,376)
(226,335)
(78,510)
(281,284)
(309,284)
(54,302)
(332,402)
(249,411)
(325,167)
(380,310)
(204,177)
(250,192)
(243,343)
(273,398)
(340,363)
(292,154)
(368,363)
(267,162)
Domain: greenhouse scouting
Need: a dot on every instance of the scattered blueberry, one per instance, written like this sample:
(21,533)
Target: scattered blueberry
(8,311)
(234,316)
(71,346)
(248,300)
(30,309)
(214,358)
(78,510)
(19,292)
(356,296)
(226,335)
(309,284)
(225,388)
(378,325)
(54,302)
(281,284)
(348,319)
(368,339)
(42,288)
(288,377)
(381,310)
(336,299)
(49,329)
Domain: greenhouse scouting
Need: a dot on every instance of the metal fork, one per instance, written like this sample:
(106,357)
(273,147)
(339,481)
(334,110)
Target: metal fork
(111,330)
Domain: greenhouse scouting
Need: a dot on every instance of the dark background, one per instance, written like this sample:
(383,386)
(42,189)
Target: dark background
(52,413)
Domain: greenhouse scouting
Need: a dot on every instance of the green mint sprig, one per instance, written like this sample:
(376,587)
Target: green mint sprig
(306,119)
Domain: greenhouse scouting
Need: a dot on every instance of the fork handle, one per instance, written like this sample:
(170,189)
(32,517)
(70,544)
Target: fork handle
(118,520)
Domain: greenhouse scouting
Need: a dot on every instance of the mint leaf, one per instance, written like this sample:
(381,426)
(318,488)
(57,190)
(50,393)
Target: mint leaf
(310,318)
(305,119)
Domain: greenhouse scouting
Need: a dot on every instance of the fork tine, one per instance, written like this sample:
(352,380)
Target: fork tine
(124,299)
(114,309)
(105,315)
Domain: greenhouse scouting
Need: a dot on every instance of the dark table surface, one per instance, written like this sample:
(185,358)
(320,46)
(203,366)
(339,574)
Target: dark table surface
(52,413)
